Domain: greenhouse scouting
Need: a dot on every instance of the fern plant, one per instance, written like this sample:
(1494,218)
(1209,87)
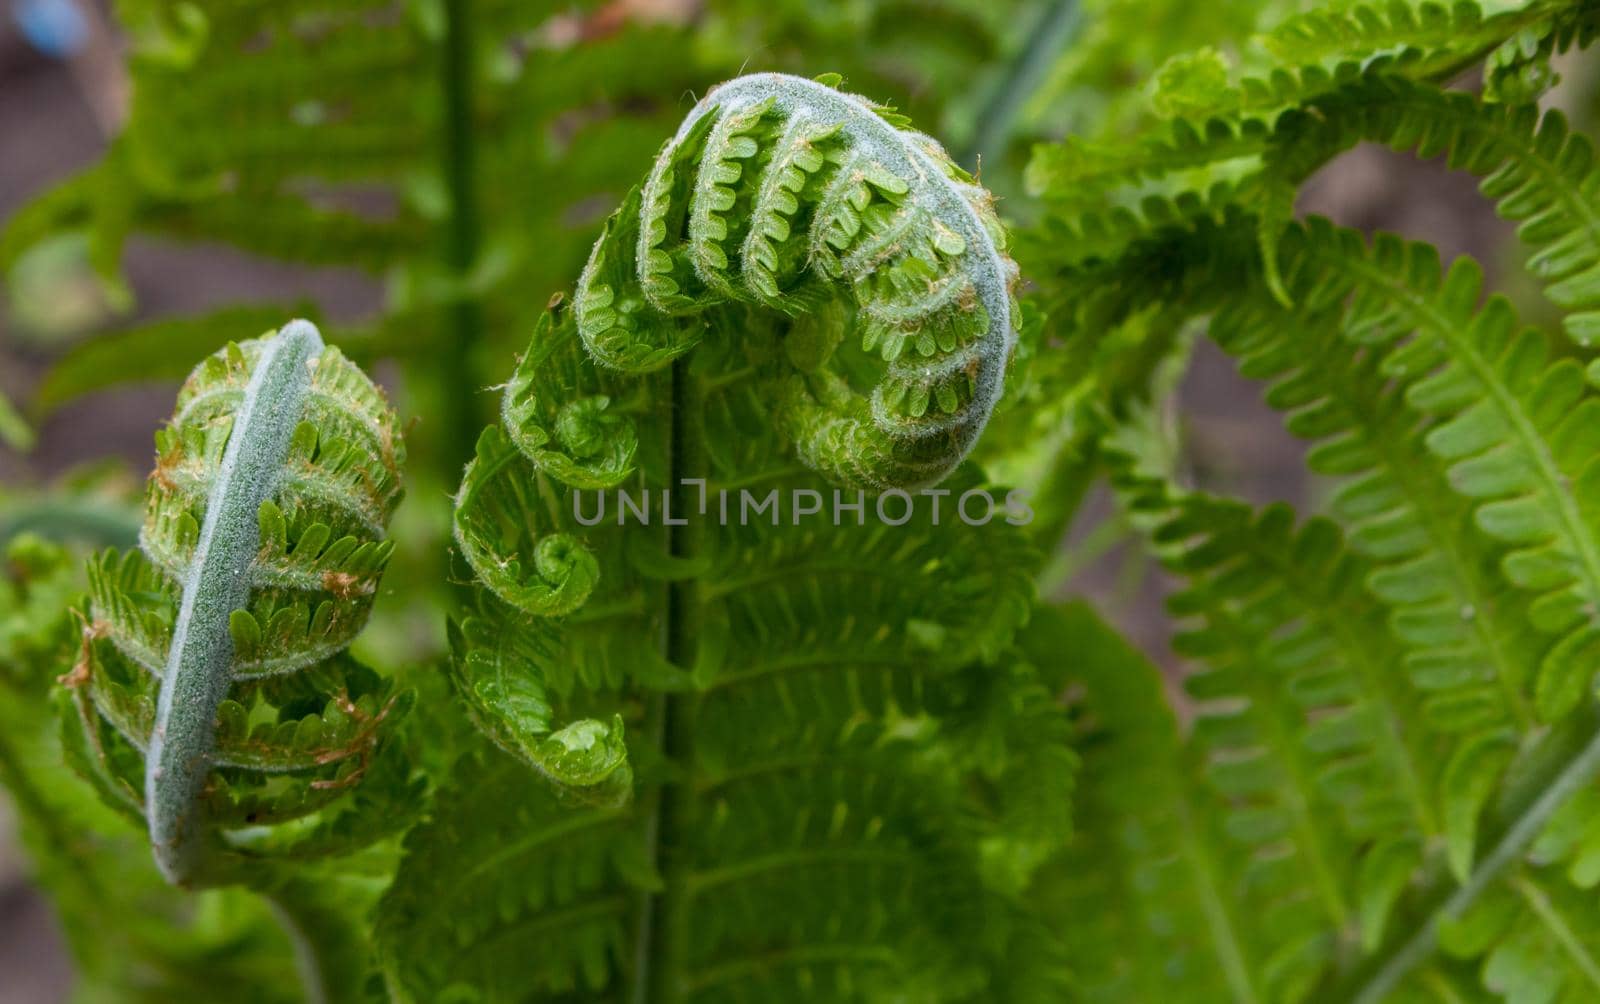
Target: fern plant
(752,722)
(212,696)
(1383,794)
(743,662)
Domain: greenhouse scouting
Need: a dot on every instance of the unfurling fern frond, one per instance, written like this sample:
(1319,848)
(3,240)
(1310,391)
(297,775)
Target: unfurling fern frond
(784,193)
(754,706)
(217,698)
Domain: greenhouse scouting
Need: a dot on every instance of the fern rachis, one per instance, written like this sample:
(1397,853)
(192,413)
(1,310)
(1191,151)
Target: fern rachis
(261,552)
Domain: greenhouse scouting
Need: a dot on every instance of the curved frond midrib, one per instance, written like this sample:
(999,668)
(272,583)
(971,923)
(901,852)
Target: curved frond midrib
(896,149)
(199,661)
(1390,968)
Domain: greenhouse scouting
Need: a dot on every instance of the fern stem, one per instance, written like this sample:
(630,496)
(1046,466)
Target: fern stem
(1055,27)
(661,951)
(1580,772)
(1225,939)
(306,962)
(451,363)
(329,945)
(199,664)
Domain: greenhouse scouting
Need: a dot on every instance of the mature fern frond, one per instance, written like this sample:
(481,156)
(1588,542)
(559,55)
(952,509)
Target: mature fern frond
(215,651)
(1472,646)
(1164,886)
(1510,425)
(1538,173)
(1444,36)
(1521,71)
(1145,896)
(1304,717)
(1466,448)
(1339,784)
(1385,319)
(1225,116)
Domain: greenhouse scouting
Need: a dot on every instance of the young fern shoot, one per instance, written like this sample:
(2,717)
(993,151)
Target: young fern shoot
(217,650)
(780,200)
(761,734)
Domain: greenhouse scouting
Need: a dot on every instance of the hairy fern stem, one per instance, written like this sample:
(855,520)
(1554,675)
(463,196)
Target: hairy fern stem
(199,666)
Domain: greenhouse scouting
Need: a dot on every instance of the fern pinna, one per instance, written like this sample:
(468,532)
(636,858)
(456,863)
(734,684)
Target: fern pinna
(1388,791)
(217,698)
(788,755)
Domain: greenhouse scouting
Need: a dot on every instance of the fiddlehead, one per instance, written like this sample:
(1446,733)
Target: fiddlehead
(217,649)
(784,193)
(837,259)
(718,698)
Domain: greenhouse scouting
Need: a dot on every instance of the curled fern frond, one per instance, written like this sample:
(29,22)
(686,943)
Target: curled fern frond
(217,649)
(750,704)
(784,194)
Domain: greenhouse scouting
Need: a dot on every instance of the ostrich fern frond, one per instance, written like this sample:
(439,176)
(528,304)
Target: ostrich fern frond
(748,724)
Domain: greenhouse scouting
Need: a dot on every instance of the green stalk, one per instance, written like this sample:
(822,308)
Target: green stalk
(450,366)
(997,117)
(328,946)
(661,948)
(308,966)
(199,665)
(1579,773)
